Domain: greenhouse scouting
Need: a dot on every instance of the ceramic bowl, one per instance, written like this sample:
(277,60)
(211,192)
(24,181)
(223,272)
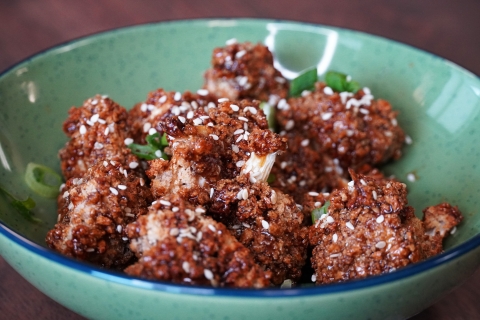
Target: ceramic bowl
(439,105)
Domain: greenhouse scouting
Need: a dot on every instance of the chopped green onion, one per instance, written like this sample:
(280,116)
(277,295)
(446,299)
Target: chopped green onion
(305,81)
(22,206)
(153,149)
(319,212)
(271,178)
(269,112)
(43,180)
(338,82)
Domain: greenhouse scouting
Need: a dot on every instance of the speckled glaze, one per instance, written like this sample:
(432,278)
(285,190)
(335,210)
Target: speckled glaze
(439,105)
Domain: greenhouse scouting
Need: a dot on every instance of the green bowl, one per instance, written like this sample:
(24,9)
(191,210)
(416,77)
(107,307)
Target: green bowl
(439,106)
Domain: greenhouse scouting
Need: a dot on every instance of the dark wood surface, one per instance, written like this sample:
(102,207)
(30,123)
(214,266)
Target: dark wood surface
(447,28)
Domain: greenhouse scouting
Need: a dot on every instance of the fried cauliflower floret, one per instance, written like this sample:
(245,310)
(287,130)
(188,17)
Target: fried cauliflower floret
(149,116)
(97,131)
(441,219)
(369,229)
(265,221)
(245,71)
(352,130)
(214,143)
(175,241)
(94,211)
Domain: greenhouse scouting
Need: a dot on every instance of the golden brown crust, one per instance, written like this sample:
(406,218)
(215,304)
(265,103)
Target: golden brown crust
(176,242)
(94,211)
(245,71)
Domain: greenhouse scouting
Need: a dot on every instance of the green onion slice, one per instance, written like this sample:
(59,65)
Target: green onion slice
(153,149)
(271,178)
(23,207)
(305,81)
(269,112)
(43,180)
(338,82)
(318,212)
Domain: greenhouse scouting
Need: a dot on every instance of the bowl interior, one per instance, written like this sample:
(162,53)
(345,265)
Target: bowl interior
(438,102)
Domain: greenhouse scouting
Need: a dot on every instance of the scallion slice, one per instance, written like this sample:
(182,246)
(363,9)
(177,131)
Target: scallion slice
(338,82)
(305,81)
(22,206)
(318,212)
(269,112)
(153,149)
(42,180)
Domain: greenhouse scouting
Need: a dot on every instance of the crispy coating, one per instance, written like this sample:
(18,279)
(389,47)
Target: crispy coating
(266,221)
(210,144)
(352,130)
(178,243)
(245,71)
(94,211)
(160,104)
(441,219)
(369,230)
(97,131)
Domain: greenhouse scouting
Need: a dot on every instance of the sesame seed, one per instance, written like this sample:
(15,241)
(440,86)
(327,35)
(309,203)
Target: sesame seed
(380,219)
(350,225)
(240,163)
(122,187)
(182,119)
(283,165)
(146,126)
(211,105)
(199,236)
(197,121)
(273,197)
(119,228)
(238,131)
(210,124)
(363,182)
(364,111)
(265,224)
(143,107)
(245,126)
(208,274)
(114,191)
(239,138)
(128,141)
(158,153)
(245,194)
(234,107)
(200,210)
(243,119)
(177,96)
(374,194)
(335,237)
(289,125)
(351,183)
(408,140)
(380,244)
(240,54)
(190,115)
(394,122)
(214,136)
(231,41)
(83,129)
(222,99)
(165,202)
(142,182)
(411,177)
(94,102)
(212,227)
(107,131)
(330,219)
(162,99)
(283,105)
(246,225)
(251,109)
(94,118)
(211,192)
(202,92)
(305,93)
(235,148)
(314,277)
(90,250)
(71,206)
(90,123)
(335,255)
(366,90)
(454,229)
(328,91)
(152,131)
(186,266)
(327,115)
(133,165)
(313,193)
(305,142)
(175,209)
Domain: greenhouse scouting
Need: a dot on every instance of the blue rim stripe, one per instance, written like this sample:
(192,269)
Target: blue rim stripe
(124,279)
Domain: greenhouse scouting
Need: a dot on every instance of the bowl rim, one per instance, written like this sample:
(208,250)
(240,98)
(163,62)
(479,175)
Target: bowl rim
(168,287)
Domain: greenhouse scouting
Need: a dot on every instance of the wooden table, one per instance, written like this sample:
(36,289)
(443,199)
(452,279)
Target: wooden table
(444,27)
